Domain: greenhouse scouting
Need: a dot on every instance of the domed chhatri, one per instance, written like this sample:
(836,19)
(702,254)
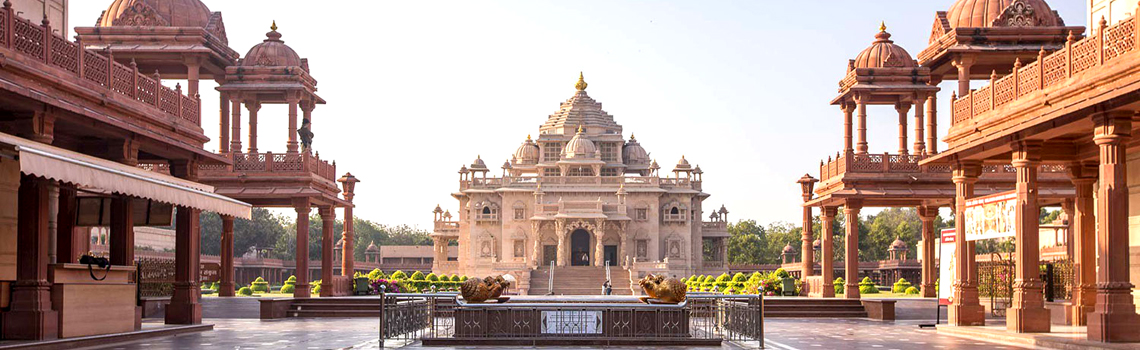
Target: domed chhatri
(156,13)
(580,147)
(633,153)
(272,52)
(1002,13)
(883,53)
(527,153)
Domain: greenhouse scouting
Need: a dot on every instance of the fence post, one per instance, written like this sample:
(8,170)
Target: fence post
(993,94)
(46,25)
(1041,69)
(1016,78)
(268,161)
(1100,41)
(1069,54)
(7,23)
(886,162)
(79,52)
(383,301)
(178,96)
(110,69)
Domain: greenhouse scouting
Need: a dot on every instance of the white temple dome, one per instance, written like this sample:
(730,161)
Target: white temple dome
(527,153)
(580,147)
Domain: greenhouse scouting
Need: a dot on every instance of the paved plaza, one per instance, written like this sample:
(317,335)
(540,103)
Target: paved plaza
(360,333)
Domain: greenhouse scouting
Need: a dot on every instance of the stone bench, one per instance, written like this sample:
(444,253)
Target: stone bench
(880,309)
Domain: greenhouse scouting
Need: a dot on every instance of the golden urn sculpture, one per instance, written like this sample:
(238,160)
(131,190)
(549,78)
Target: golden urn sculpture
(663,289)
(476,290)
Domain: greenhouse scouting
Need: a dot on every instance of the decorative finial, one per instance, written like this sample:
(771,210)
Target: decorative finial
(528,137)
(580,130)
(581,85)
(632,138)
(274,26)
(883,26)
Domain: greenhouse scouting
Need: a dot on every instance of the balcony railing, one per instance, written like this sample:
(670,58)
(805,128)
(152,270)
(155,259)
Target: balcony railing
(531,181)
(906,164)
(1052,70)
(270,162)
(38,42)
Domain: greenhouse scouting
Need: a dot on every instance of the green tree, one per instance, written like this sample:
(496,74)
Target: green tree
(263,230)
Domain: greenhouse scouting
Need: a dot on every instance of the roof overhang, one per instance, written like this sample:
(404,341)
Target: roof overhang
(86,171)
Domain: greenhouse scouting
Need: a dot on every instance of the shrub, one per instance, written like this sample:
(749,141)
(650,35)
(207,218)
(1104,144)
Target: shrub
(315,287)
(839,285)
(866,286)
(418,276)
(912,291)
(463,279)
(935,287)
(399,275)
(781,273)
(375,274)
(389,286)
(455,278)
(291,280)
(245,291)
(432,277)
(259,285)
(756,276)
(287,288)
(739,277)
(900,286)
(208,291)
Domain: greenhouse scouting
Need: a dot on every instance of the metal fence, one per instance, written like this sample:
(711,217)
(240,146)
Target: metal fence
(440,319)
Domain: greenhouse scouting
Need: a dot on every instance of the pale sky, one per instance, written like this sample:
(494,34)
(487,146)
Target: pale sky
(416,89)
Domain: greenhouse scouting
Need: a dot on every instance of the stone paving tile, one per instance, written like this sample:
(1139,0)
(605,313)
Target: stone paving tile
(360,333)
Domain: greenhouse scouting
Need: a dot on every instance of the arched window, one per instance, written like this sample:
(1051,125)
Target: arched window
(487,210)
(675,211)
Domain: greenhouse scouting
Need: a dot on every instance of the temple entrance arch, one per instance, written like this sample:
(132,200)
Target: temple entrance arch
(580,248)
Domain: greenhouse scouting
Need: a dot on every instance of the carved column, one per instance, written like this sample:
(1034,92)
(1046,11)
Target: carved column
(291,146)
(193,66)
(69,246)
(302,207)
(903,109)
(562,254)
(930,241)
(223,123)
(848,108)
(966,309)
(253,107)
(226,288)
(932,120)
(827,245)
(122,248)
(328,220)
(30,315)
(861,107)
(1114,317)
(963,64)
(185,306)
(348,259)
(235,125)
(851,263)
(919,142)
(1028,313)
(1084,176)
(807,267)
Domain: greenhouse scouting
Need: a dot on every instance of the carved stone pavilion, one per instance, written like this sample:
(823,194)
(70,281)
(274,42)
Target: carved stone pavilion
(580,196)
(183,39)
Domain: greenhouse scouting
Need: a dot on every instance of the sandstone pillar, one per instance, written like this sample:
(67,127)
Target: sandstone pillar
(291,146)
(903,109)
(1114,317)
(348,260)
(30,315)
(848,109)
(122,247)
(851,263)
(193,66)
(827,245)
(224,123)
(861,107)
(929,243)
(302,208)
(69,246)
(932,122)
(966,309)
(226,287)
(1028,313)
(185,306)
(963,63)
(235,126)
(919,142)
(807,267)
(253,107)
(599,250)
(1084,176)
(328,220)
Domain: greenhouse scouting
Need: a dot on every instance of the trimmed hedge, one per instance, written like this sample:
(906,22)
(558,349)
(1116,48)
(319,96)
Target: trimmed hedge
(900,286)
(245,291)
(911,291)
(259,285)
(399,275)
(839,285)
(866,286)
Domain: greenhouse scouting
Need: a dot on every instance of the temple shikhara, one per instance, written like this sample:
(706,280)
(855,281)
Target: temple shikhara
(580,195)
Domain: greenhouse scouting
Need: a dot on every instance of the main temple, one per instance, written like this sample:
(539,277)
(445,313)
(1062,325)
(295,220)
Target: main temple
(580,196)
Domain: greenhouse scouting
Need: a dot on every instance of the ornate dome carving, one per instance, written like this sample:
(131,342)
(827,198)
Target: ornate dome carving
(579,147)
(883,53)
(898,244)
(633,153)
(158,13)
(272,53)
(683,164)
(1002,13)
(788,249)
(527,153)
(478,164)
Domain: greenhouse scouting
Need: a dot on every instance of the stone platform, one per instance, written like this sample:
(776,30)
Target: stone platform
(1061,337)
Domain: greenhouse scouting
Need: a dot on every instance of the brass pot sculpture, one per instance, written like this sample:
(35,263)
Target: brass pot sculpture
(664,289)
(477,290)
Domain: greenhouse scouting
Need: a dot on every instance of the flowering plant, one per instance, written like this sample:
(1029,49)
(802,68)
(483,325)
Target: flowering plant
(389,286)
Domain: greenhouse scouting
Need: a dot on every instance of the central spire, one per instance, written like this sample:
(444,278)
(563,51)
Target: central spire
(581,85)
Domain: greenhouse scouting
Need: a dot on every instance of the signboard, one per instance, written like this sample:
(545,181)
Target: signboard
(947,259)
(992,216)
(572,322)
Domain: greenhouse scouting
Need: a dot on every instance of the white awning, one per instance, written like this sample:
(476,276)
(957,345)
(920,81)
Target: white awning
(87,171)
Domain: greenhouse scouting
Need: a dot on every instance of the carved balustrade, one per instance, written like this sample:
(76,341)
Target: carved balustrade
(1053,71)
(906,164)
(38,42)
(531,181)
(270,162)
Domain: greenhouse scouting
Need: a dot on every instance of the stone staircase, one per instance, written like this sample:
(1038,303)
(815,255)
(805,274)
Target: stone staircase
(814,307)
(579,280)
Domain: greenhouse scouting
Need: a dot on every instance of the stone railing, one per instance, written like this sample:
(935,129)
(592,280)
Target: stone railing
(714,226)
(1049,71)
(880,163)
(37,42)
(270,162)
(447,227)
(530,181)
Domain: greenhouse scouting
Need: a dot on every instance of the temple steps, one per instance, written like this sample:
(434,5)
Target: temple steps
(579,280)
(804,307)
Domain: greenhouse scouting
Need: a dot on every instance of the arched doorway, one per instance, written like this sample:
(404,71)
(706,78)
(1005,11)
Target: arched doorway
(580,248)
